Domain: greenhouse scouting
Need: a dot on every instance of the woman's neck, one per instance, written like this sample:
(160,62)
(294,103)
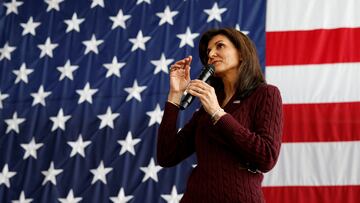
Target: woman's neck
(229,82)
(229,89)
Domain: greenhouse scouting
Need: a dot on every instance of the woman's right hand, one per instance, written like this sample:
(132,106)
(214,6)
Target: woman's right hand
(179,79)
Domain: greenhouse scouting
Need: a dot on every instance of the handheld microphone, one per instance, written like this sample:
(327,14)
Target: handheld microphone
(205,74)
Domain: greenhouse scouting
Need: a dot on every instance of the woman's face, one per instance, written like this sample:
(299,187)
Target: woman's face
(223,55)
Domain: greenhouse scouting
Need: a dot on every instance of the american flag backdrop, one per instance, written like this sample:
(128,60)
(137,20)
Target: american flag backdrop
(83,85)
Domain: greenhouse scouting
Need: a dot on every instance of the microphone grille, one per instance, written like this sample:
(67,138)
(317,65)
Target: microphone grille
(211,68)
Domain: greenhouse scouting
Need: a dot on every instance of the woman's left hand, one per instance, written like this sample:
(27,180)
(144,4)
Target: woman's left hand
(205,93)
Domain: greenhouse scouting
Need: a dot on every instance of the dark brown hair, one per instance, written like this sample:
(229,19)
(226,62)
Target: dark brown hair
(250,74)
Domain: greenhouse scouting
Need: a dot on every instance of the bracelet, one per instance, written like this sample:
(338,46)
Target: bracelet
(216,118)
(177,105)
(214,114)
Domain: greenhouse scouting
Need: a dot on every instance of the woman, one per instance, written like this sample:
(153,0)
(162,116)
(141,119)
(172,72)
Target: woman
(236,134)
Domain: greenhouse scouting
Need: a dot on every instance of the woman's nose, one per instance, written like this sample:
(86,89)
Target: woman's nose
(211,54)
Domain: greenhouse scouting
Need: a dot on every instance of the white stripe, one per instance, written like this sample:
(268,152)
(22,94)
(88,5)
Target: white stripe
(285,15)
(325,83)
(316,164)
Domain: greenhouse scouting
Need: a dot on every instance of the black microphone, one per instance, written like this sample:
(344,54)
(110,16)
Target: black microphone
(205,74)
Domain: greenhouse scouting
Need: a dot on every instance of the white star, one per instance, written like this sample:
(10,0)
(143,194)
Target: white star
(31,148)
(53,4)
(5,176)
(74,23)
(151,171)
(67,70)
(29,27)
(214,13)
(12,7)
(13,123)
(92,44)
(237,27)
(108,118)
(50,174)
(100,173)
(22,73)
(47,48)
(39,97)
(113,68)
(121,198)
(86,94)
(97,3)
(139,41)
(167,16)
(162,64)
(174,197)
(140,1)
(2,97)
(78,147)
(155,115)
(70,198)
(187,38)
(59,120)
(119,20)
(22,199)
(128,144)
(134,91)
(5,51)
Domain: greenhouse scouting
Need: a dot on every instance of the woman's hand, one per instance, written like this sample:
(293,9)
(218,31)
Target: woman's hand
(206,94)
(179,79)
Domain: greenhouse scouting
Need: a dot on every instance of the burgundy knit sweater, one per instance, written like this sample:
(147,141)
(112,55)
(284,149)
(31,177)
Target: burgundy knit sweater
(248,136)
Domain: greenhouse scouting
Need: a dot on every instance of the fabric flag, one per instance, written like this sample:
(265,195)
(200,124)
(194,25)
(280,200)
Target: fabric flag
(313,55)
(83,85)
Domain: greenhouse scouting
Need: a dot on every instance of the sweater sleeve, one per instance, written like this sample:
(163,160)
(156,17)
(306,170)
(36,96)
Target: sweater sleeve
(259,148)
(173,146)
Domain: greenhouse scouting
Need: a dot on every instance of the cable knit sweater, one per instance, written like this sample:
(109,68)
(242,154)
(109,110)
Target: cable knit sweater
(247,137)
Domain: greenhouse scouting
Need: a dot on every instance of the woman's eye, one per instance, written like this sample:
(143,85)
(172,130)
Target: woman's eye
(220,45)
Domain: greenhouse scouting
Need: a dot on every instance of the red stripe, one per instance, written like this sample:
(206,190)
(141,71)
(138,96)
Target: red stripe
(323,194)
(321,122)
(313,47)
